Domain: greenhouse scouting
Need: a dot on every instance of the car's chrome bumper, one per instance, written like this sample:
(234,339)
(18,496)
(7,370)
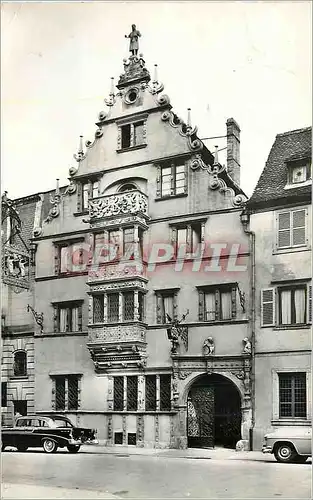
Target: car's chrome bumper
(77,442)
(266,449)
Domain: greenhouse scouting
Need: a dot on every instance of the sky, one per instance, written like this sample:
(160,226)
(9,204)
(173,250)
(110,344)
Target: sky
(247,60)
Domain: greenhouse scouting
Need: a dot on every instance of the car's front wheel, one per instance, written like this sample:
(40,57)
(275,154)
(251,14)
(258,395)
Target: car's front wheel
(285,453)
(49,446)
(73,448)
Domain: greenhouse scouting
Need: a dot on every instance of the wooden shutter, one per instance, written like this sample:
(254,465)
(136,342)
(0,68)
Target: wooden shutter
(159,308)
(284,230)
(80,318)
(309,314)
(79,197)
(201,305)
(268,307)
(175,305)
(298,227)
(55,318)
(233,302)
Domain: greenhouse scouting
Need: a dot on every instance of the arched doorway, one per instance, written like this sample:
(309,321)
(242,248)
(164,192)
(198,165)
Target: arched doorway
(213,413)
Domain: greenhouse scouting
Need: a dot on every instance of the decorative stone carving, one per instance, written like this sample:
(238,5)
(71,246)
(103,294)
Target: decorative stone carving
(157,430)
(194,143)
(247,347)
(208,347)
(183,375)
(134,70)
(176,332)
(109,272)
(124,429)
(118,333)
(131,202)
(140,430)
(120,285)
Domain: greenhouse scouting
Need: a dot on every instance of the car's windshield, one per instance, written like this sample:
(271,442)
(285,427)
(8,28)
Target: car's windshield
(60,422)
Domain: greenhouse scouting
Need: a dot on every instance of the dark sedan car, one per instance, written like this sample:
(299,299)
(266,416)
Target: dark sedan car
(48,432)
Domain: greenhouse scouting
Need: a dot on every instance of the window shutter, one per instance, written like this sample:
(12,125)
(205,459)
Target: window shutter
(309,304)
(173,175)
(217,305)
(80,318)
(186,179)
(175,305)
(284,230)
(201,305)
(57,259)
(298,227)
(268,307)
(79,197)
(55,319)
(233,302)
(158,182)
(159,308)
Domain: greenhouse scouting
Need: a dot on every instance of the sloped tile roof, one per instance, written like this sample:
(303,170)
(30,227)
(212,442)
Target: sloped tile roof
(288,146)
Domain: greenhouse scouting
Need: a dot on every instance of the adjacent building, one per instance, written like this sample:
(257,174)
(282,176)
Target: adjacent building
(281,221)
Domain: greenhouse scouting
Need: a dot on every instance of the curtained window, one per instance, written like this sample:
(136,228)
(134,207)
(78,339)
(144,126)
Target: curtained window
(68,317)
(218,303)
(292,305)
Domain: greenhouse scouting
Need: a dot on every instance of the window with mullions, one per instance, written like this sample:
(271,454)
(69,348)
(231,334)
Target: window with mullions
(132,393)
(173,180)
(132,135)
(20,364)
(86,191)
(151,392)
(118,394)
(217,303)
(291,228)
(66,392)
(128,306)
(68,317)
(150,396)
(292,395)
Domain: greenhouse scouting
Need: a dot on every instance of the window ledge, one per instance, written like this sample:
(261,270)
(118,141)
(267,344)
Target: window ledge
(302,248)
(169,197)
(83,212)
(131,148)
(18,377)
(291,422)
(292,327)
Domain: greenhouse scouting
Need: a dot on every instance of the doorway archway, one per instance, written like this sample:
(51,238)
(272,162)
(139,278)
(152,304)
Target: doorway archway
(213,413)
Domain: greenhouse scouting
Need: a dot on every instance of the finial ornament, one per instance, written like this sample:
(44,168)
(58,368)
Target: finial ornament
(216,155)
(133,40)
(80,153)
(189,117)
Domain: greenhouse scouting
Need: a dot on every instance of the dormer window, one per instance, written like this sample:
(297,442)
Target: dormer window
(131,134)
(87,190)
(299,173)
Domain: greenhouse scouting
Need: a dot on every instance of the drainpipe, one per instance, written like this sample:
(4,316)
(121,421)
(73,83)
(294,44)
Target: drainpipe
(245,220)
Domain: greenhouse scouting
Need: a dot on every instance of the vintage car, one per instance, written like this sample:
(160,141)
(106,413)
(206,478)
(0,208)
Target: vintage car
(289,444)
(49,432)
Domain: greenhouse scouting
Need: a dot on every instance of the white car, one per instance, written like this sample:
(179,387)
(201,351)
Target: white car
(289,444)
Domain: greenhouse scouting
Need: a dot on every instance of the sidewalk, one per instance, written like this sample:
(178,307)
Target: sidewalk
(191,453)
(18,491)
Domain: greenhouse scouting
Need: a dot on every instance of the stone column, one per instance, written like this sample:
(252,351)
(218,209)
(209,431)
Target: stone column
(105,308)
(179,429)
(120,306)
(141,393)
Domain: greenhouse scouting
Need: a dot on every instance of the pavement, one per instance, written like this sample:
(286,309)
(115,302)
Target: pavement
(191,453)
(21,491)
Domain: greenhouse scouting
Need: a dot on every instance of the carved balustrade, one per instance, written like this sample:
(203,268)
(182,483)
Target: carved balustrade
(118,204)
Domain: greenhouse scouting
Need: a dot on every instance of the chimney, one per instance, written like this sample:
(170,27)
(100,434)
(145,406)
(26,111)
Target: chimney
(233,150)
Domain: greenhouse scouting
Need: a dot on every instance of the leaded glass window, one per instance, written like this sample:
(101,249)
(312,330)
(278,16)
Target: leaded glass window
(141,306)
(60,393)
(128,237)
(128,306)
(72,392)
(118,394)
(150,393)
(165,392)
(132,393)
(113,307)
(98,308)
(292,395)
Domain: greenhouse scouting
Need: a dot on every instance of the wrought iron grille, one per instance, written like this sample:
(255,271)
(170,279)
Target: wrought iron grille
(118,438)
(128,306)
(98,308)
(292,395)
(72,393)
(118,400)
(165,392)
(131,438)
(150,393)
(132,393)
(113,307)
(20,364)
(60,393)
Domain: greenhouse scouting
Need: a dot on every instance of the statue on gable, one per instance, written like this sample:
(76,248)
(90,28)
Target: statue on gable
(133,40)
(176,332)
